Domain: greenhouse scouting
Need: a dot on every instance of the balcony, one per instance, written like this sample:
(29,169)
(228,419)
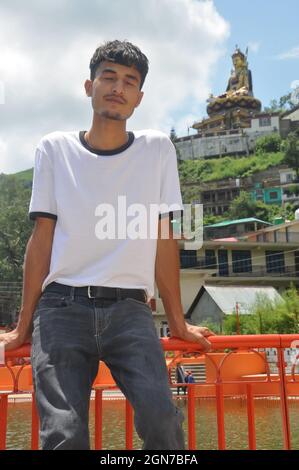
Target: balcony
(276,270)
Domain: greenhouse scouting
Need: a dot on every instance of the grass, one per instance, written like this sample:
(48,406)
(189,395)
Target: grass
(227,167)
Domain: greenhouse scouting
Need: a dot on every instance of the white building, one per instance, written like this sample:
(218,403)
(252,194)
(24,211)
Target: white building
(227,142)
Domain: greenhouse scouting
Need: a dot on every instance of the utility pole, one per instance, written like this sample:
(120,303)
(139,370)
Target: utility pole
(237,318)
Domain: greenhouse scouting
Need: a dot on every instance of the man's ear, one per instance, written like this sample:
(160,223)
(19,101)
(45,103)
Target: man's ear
(141,93)
(88,87)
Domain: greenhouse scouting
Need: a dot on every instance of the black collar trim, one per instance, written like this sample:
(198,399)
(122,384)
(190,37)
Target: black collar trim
(107,152)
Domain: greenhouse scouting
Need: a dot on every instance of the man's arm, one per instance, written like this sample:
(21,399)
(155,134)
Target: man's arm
(35,269)
(167,274)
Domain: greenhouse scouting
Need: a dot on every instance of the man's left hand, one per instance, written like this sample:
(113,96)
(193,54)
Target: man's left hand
(196,334)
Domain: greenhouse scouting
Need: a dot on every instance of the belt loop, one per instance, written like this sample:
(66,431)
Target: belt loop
(118,293)
(72,293)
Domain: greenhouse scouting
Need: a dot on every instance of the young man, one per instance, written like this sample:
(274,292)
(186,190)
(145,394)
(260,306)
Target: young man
(86,288)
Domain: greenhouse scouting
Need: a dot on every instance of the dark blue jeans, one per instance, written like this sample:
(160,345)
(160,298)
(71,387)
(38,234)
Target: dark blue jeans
(70,336)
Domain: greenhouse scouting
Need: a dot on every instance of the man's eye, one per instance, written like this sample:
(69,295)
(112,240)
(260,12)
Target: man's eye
(108,78)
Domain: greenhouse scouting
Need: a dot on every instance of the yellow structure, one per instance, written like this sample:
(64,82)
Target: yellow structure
(234,108)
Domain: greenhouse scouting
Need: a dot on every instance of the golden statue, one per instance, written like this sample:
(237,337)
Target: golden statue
(240,82)
(232,109)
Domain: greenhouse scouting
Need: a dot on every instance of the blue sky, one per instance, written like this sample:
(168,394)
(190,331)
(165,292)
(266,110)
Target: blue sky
(45,49)
(271,30)
(273,25)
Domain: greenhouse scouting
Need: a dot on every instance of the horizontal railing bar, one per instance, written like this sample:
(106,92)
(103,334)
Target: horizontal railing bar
(217,342)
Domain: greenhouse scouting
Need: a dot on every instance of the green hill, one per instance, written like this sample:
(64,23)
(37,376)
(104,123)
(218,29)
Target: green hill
(227,167)
(25,175)
(210,170)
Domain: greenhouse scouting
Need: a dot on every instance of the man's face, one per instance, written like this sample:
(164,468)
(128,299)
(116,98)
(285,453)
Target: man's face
(115,90)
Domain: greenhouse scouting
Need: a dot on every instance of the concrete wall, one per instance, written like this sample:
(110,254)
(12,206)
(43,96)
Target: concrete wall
(274,125)
(199,147)
(195,147)
(287,175)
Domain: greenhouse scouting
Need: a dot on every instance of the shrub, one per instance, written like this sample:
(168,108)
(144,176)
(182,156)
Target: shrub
(268,143)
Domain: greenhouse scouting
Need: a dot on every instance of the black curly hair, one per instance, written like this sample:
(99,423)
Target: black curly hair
(121,52)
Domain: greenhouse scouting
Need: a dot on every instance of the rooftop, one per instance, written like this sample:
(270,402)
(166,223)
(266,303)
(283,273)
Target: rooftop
(237,221)
(226,297)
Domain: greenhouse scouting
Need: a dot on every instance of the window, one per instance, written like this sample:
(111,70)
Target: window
(275,262)
(265,121)
(188,258)
(273,195)
(249,227)
(223,263)
(210,259)
(259,194)
(241,261)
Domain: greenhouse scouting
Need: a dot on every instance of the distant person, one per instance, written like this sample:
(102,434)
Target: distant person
(190,378)
(180,377)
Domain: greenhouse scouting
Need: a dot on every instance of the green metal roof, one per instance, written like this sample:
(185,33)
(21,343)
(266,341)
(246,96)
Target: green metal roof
(238,221)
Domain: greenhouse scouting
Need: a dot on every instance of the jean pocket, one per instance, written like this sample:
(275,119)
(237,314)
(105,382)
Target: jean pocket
(139,302)
(53,300)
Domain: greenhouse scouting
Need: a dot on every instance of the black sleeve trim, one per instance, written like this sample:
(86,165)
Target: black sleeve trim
(33,215)
(172,214)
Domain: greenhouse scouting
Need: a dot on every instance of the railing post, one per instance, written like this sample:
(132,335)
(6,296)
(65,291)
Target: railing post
(251,418)
(98,417)
(284,401)
(220,416)
(3,419)
(191,417)
(129,425)
(34,425)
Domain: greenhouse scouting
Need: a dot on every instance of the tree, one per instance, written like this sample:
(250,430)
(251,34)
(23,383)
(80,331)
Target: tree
(268,143)
(265,316)
(291,148)
(283,104)
(15,230)
(285,101)
(273,107)
(245,206)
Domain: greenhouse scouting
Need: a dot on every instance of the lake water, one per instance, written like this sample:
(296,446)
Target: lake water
(267,415)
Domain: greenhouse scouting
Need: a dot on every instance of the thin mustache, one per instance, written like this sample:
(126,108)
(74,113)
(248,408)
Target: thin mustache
(116,98)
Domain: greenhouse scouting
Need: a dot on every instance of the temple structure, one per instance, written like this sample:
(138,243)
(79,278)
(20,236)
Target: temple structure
(234,108)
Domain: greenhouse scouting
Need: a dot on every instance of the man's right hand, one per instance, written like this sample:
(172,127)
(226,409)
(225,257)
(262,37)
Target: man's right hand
(14,339)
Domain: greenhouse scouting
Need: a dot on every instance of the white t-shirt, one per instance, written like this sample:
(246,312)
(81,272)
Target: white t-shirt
(71,183)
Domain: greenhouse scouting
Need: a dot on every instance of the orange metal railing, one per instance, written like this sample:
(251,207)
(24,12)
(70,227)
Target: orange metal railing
(228,373)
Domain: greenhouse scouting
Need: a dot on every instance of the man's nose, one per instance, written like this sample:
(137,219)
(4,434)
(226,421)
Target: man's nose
(118,87)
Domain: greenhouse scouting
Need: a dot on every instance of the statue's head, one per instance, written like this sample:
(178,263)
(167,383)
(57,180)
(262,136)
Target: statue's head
(239,59)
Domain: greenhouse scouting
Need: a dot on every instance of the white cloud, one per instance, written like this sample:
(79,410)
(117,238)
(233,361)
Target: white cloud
(45,50)
(3,156)
(183,124)
(291,54)
(2,92)
(254,46)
